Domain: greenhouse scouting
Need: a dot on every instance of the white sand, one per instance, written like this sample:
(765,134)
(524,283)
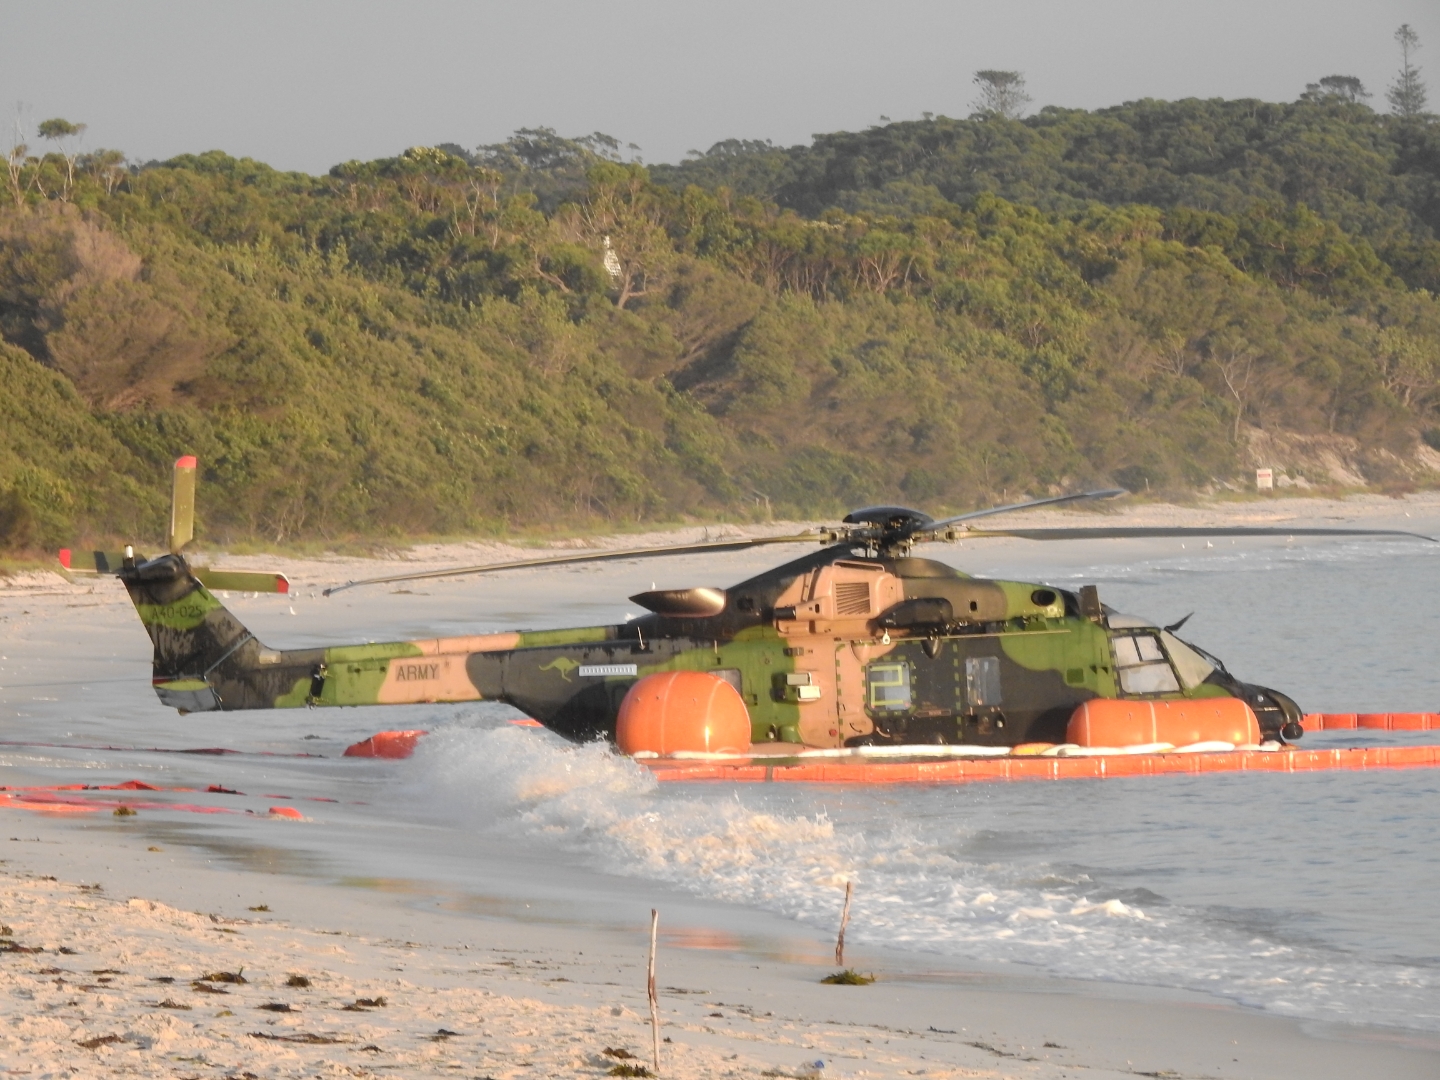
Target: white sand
(528,999)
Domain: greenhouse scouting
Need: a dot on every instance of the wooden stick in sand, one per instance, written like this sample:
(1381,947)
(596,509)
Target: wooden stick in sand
(844,918)
(650,988)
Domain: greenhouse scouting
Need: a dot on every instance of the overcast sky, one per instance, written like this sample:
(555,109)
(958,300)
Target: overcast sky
(304,84)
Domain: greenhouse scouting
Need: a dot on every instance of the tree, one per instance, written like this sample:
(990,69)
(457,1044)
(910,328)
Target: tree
(15,169)
(1407,93)
(107,167)
(1407,364)
(60,130)
(1002,93)
(1234,358)
(621,216)
(1336,88)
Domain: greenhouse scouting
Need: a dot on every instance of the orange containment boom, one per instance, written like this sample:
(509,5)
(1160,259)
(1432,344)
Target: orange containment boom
(1381,721)
(969,770)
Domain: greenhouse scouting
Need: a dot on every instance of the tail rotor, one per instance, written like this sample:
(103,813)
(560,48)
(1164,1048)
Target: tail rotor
(79,564)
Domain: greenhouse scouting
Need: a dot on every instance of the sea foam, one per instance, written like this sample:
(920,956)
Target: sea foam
(945,870)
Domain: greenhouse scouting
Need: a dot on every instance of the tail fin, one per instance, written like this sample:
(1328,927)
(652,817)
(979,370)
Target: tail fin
(205,658)
(192,632)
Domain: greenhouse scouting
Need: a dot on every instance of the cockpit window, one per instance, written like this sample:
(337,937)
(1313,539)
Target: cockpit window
(1141,665)
(1190,664)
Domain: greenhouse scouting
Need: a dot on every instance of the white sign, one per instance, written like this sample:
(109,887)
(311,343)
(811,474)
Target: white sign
(600,671)
(1264,479)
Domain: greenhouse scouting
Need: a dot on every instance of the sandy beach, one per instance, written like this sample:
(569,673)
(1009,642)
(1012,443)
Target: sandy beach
(115,927)
(123,987)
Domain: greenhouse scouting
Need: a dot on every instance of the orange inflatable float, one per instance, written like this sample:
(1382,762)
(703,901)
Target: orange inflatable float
(682,711)
(386,744)
(1112,722)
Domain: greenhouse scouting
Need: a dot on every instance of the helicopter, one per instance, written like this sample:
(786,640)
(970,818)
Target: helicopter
(860,643)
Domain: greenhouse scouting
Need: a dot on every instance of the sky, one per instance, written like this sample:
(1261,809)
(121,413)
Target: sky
(305,84)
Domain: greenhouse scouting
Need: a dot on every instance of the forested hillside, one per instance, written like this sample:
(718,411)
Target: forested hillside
(533,334)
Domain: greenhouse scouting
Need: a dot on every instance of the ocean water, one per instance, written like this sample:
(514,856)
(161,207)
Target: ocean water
(1312,896)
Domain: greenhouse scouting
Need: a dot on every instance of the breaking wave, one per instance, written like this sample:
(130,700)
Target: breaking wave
(967,872)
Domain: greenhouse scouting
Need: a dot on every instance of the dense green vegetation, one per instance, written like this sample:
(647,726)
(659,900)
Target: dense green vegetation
(538,334)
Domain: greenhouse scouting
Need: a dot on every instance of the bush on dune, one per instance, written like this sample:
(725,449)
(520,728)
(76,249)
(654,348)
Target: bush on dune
(538,335)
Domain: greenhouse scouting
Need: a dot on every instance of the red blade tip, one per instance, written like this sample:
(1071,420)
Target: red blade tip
(65,558)
(186,462)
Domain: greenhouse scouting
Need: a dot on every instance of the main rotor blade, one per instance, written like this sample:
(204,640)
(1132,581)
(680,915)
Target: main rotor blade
(1107,493)
(1141,532)
(595,556)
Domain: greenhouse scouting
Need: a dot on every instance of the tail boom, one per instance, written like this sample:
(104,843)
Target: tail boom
(206,660)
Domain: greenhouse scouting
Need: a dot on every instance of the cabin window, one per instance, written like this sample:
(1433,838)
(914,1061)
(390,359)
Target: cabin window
(888,687)
(1142,666)
(982,681)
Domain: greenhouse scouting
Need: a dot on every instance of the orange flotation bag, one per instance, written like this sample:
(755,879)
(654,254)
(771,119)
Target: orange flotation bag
(386,744)
(682,711)
(1112,722)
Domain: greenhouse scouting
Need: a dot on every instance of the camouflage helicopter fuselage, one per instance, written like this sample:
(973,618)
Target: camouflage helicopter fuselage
(836,648)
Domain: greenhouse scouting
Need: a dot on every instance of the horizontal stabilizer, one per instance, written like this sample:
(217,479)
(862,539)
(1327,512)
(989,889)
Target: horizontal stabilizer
(242,580)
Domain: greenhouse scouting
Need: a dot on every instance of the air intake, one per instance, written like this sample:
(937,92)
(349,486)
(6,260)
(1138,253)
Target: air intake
(852,598)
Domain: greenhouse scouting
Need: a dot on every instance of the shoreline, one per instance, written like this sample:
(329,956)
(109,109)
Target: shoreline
(537,998)
(987,1021)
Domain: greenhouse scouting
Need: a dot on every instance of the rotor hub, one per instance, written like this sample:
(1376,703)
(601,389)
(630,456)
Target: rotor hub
(891,529)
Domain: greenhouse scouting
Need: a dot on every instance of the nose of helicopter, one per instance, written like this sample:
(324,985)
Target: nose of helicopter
(1280,717)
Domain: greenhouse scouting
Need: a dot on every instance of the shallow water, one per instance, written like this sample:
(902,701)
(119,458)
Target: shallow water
(1310,895)
(1307,895)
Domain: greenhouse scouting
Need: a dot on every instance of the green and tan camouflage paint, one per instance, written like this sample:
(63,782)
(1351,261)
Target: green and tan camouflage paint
(797,641)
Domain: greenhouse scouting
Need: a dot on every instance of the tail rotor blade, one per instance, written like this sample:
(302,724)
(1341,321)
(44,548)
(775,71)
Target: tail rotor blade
(241,580)
(91,562)
(182,504)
